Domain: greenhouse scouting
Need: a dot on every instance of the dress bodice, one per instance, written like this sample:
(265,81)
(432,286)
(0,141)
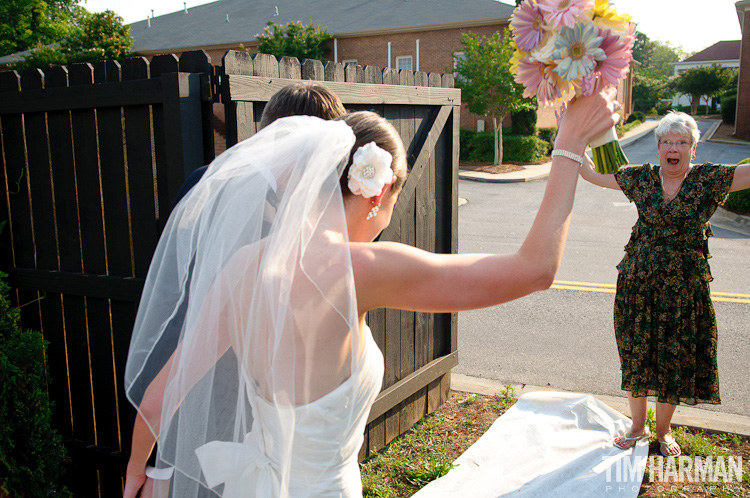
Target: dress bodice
(328,433)
(672,237)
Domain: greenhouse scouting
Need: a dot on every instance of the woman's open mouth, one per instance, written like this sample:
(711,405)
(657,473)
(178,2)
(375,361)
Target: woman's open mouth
(673,161)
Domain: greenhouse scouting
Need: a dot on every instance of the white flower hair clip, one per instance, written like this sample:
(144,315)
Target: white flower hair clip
(370,170)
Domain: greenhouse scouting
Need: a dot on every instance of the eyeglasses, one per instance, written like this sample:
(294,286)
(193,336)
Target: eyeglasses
(682,144)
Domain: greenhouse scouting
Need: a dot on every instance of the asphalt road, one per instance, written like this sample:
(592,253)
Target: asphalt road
(564,338)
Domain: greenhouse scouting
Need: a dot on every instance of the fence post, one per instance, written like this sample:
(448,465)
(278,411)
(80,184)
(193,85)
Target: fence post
(240,122)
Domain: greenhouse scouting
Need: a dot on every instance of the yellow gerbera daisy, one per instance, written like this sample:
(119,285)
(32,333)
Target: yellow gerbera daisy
(606,17)
(517,56)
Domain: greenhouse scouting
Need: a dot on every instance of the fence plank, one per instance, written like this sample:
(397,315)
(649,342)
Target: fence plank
(141,170)
(240,122)
(373,75)
(312,69)
(19,220)
(41,209)
(265,65)
(161,64)
(62,176)
(289,68)
(253,89)
(118,235)
(354,73)
(198,61)
(334,71)
(92,258)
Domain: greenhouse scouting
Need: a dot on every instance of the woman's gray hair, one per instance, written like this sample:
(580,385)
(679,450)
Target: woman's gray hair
(678,123)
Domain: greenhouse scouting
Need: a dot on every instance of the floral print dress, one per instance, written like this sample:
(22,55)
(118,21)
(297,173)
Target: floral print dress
(665,323)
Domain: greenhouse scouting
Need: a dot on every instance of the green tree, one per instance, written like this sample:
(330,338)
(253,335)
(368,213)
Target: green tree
(648,91)
(486,83)
(700,82)
(294,40)
(95,37)
(27,23)
(643,49)
(651,77)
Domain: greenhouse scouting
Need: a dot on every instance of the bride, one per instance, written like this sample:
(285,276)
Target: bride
(267,268)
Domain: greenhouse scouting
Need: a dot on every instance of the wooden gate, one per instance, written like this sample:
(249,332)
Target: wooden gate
(419,348)
(92,158)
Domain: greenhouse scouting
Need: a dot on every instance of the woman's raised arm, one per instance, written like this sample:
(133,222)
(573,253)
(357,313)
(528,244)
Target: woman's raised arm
(601,179)
(741,178)
(397,276)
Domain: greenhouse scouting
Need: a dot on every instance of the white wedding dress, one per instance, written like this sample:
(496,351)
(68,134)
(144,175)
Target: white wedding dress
(322,433)
(248,361)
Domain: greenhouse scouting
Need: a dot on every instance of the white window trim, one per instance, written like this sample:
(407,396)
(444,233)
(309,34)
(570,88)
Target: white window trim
(403,58)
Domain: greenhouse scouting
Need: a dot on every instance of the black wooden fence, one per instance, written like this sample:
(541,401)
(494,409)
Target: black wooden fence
(92,158)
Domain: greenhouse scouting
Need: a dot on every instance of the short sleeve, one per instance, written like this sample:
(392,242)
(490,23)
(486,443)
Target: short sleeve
(717,179)
(627,178)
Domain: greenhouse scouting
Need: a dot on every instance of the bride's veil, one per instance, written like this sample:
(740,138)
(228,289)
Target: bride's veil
(248,309)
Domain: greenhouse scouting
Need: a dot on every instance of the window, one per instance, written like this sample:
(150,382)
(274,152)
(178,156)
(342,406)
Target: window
(457,57)
(349,61)
(403,63)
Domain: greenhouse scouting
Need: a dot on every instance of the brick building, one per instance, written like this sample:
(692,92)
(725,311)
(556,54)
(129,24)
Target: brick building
(420,35)
(742,121)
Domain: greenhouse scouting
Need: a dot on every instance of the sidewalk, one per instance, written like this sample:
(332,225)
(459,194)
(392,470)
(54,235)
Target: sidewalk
(541,171)
(687,416)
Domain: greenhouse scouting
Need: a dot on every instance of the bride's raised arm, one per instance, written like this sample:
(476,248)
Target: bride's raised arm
(398,276)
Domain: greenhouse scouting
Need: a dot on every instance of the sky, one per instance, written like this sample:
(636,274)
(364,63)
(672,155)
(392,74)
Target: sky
(691,24)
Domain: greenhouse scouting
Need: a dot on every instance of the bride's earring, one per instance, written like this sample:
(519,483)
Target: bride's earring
(373,212)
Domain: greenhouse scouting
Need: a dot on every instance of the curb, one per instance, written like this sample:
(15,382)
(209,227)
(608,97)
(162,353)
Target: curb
(710,133)
(515,177)
(731,221)
(541,171)
(685,416)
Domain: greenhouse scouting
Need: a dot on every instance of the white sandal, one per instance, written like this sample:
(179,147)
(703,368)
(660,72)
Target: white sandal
(625,440)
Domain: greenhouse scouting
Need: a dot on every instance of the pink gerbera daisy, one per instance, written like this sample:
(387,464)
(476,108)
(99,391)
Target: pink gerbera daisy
(564,12)
(619,51)
(540,79)
(527,23)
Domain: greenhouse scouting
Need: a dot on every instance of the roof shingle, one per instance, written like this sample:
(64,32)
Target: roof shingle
(719,51)
(227,22)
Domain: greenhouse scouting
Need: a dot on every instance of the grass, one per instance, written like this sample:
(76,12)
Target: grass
(428,449)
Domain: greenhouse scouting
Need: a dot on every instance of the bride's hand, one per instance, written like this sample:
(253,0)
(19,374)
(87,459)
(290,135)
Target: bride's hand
(587,118)
(135,482)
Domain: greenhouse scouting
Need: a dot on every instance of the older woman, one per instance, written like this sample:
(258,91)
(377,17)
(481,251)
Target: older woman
(664,319)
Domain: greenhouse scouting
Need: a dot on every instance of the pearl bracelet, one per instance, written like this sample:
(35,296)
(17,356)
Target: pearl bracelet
(569,155)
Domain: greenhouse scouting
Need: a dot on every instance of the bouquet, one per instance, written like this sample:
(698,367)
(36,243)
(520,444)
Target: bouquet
(581,45)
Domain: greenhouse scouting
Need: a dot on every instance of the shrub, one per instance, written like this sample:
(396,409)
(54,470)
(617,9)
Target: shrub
(31,452)
(548,135)
(481,147)
(636,116)
(524,148)
(739,202)
(523,122)
(729,109)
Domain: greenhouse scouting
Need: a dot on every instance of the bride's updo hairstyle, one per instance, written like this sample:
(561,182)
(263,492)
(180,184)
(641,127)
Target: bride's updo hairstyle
(370,127)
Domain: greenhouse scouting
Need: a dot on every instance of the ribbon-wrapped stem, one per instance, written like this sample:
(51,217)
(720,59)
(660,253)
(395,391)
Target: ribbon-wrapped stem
(607,153)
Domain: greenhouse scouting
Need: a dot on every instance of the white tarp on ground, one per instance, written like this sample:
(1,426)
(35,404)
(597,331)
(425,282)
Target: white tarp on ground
(548,444)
